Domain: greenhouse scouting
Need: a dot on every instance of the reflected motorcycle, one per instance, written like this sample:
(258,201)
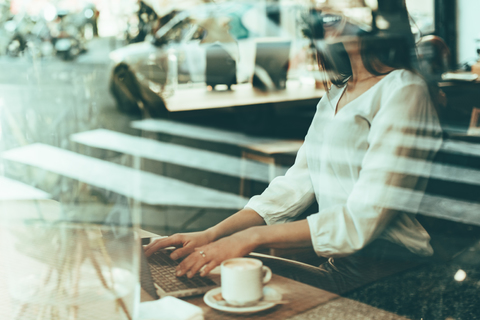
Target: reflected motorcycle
(67,38)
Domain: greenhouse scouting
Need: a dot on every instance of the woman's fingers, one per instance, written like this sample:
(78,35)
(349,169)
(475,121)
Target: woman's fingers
(158,244)
(184,242)
(211,255)
(209,267)
(199,263)
(195,262)
(181,252)
(186,265)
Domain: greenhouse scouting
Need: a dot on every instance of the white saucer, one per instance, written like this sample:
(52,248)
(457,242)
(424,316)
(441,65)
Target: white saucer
(268,294)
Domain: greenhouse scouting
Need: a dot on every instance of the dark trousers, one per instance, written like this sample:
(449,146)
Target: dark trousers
(379,259)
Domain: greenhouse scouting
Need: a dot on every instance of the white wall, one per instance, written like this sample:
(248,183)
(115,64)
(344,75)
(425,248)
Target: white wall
(468,28)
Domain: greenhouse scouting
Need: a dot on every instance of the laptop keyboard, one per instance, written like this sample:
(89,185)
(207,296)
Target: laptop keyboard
(163,271)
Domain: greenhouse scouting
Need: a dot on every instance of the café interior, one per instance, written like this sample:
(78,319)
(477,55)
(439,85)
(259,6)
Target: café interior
(131,129)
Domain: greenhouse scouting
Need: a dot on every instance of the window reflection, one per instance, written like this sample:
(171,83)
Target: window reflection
(173,118)
(423,15)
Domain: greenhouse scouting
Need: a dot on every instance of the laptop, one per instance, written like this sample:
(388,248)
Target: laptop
(271,63)
(157,277)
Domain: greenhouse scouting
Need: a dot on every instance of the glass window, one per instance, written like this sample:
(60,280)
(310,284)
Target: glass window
(132,114)
(423,15)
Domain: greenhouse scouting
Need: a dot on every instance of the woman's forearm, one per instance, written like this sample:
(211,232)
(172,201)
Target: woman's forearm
(288,235)
(241,234)
(242,220)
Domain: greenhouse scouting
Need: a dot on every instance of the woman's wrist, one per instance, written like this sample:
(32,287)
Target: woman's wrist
(253,236)
(211,234)
(240,221)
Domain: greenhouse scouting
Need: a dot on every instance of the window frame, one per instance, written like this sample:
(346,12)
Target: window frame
(446,26)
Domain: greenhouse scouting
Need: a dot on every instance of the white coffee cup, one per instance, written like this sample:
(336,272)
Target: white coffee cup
(243,280)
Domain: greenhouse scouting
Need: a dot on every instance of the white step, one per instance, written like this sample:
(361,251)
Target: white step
(212,134)
(242,140)
(451,209)
(463,147)
(15,190)
(177,154)
(143,186)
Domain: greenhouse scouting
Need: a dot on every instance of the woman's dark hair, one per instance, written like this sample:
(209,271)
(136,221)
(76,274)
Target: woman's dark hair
(392,47)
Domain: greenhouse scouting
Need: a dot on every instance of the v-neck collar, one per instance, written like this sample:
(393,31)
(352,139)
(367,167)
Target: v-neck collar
(342,92)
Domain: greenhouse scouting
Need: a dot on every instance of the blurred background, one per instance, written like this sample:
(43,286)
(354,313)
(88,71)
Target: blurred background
(183,110)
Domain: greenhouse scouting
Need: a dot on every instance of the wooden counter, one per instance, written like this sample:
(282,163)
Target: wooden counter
(189,98)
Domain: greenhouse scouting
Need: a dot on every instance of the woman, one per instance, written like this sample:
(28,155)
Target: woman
(365,161)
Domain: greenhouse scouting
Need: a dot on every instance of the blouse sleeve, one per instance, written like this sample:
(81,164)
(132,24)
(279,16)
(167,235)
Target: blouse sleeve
(286,196)
(403,139)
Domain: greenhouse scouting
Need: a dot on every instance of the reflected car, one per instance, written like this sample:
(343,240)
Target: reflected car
(210,44)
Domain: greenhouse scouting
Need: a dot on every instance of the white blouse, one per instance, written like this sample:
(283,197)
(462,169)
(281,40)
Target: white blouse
(365,166)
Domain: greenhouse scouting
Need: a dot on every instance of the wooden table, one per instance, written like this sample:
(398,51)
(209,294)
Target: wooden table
(301,298)
(461,98)
(189,98)
(305,302)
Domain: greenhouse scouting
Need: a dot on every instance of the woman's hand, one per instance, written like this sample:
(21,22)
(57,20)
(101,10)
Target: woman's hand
(185,242)
(211,255)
